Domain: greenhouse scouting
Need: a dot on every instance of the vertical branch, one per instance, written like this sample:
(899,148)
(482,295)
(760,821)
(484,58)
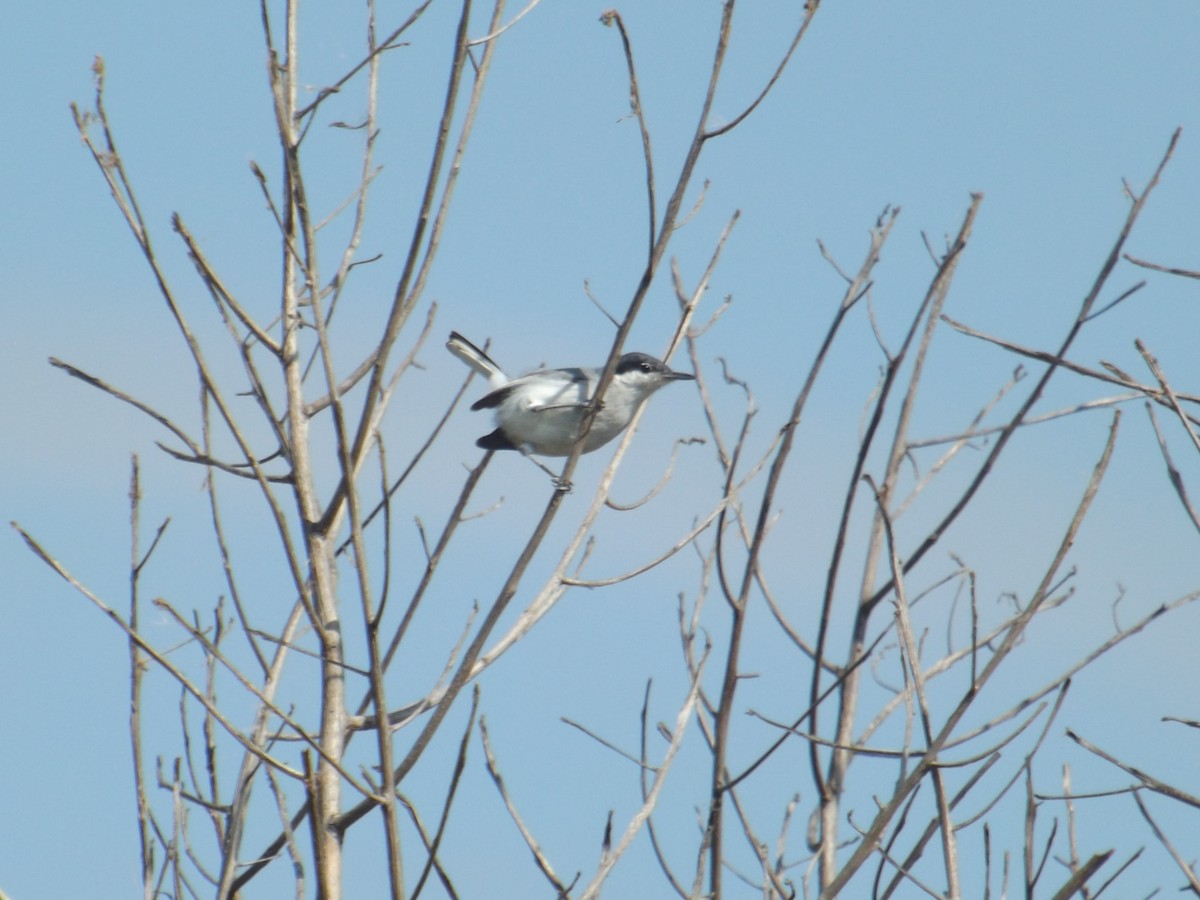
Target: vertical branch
(724,712)
(325,782)
(871,837)
(178,816)
(635,104)
(912,658)
(323,548)
(839,761)
(1081,318)
(1030,826)
(209,730)
(349,458)
(371,621)
(226,562)
(830,882)
(293,849)
(136,671)
(682,718)
(403,299)
(701,135)
(460,765)
(109,161)
(659,247)
(239,802)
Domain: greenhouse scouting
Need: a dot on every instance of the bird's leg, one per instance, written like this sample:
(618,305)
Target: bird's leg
(559,483)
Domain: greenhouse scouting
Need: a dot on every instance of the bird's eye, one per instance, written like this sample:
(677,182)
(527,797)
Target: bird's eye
(645,367)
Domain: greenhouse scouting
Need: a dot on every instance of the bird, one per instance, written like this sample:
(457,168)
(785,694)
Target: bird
(541,412)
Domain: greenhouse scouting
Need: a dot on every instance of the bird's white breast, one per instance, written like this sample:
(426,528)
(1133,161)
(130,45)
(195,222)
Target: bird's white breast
(544,416)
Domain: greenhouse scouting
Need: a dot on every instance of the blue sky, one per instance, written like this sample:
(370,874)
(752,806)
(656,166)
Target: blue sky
(1044,108)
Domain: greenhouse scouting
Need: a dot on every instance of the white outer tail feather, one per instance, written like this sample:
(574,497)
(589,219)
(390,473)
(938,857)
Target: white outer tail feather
(476,359)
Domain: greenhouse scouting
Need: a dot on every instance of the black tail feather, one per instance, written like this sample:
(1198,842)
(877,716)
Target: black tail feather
(497,440)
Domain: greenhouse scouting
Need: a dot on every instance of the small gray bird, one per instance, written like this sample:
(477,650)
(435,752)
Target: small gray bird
(541,412)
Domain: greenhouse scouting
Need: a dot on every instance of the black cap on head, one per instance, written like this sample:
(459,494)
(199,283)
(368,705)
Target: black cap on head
(634,361)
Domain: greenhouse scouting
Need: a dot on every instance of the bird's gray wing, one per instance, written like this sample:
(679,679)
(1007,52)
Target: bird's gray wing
(542,392)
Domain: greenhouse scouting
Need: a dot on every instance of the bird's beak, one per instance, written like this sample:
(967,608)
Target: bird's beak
(680,376)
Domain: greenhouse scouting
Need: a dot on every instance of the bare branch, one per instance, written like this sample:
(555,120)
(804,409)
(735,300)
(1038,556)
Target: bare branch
(635,104)
(538,856)
(1154,784)
(1080,878)
(1188,871)
(154,654)
(388,43)
(810,10)
(460,764)
(1186,273)
(495,33)
(660,776)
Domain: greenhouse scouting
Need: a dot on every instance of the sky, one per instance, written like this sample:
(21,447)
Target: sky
(1050,111)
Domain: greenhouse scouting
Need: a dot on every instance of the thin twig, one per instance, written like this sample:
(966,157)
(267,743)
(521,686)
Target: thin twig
(1187,869)
(539,857)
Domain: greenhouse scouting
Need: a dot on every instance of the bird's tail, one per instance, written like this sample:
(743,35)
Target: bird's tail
(476,359)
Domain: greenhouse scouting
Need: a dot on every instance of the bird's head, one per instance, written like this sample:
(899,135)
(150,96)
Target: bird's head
(643,375)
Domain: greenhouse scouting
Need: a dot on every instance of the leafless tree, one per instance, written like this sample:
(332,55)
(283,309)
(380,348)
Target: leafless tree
(889,801)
